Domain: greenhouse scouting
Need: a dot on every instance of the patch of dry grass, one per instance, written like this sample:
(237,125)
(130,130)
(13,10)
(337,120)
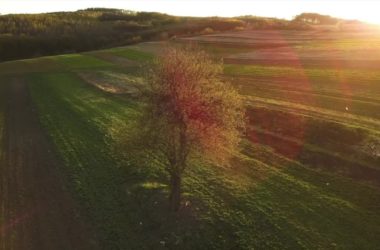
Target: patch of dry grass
(113,82)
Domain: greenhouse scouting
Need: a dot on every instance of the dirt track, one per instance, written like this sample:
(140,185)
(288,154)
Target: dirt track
(36,210)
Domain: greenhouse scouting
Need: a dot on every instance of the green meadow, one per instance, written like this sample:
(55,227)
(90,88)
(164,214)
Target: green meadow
(308,176)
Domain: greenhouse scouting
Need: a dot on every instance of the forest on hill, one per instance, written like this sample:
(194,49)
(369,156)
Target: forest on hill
(33,35)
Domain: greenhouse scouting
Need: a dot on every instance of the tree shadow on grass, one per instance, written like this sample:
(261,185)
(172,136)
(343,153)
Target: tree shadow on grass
(158,227)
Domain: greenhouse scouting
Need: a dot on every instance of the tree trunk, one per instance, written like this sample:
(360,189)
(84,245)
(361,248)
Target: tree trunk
(175,192)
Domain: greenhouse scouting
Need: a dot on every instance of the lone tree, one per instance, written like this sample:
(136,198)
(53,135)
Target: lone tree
(190,113)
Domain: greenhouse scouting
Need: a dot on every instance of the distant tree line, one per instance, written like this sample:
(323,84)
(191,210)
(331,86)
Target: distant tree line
(314,18)
(23,36)
(31,35)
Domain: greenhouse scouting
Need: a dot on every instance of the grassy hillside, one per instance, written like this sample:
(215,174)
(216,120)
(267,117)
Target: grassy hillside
(305,179)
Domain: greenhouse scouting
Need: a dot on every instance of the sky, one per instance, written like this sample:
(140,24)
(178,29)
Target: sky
(364,10)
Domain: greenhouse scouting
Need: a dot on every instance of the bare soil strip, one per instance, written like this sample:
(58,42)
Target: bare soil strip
(36,211)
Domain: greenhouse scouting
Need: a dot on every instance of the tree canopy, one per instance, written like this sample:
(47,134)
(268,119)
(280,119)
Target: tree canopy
(315,18)
(190,113)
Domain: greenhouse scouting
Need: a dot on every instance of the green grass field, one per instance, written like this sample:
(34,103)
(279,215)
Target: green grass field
(131,54)
(77,61)
(305,178)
